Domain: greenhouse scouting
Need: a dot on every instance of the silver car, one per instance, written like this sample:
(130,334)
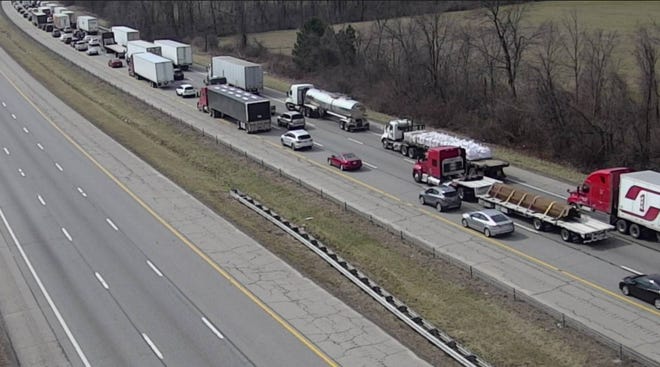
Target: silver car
(489,221)
(441,197)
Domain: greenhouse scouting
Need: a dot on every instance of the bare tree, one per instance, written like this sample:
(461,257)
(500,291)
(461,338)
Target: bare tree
(573,46)
(646,54)
(506,21)
(435,31)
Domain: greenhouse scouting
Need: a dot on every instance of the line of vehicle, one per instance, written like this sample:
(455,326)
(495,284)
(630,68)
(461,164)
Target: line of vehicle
(182,238)
(45,293)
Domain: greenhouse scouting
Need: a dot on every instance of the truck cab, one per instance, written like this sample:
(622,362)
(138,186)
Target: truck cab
(440,164)
(599,190)
(295,96)
(395,129)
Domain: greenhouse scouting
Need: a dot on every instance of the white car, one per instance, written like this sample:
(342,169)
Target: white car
(94,42)
(297,139)
(186,90)
(93,51)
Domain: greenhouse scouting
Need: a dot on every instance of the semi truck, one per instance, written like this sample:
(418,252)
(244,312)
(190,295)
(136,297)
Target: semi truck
(110,45)
(413,140)
(61,21)
(179,53)
(59,9)
(631,199)
(156,69)
(123,35)
(313,102)
(39,18)
(238,73)
(87,24)
(449,165)
(546,214)
(141,46)
(72,17)
(249,111)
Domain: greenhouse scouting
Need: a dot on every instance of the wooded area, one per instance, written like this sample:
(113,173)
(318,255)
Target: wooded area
(556,90)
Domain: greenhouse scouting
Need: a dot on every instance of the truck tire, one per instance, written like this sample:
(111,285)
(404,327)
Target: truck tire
(622,226)
(404,150)
(636,231)
(412,152)
(417,177)
(289,106)
(566,235)
(342,125)
(461,193)
(385,145)
(538,225)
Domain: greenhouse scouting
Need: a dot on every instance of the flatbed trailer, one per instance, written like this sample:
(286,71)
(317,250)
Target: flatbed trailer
(546,214)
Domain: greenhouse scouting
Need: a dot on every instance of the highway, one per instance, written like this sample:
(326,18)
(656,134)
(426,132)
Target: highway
(114,272)
(571,278)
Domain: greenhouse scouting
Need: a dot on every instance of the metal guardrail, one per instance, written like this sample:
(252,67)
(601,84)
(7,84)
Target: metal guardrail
(431,333)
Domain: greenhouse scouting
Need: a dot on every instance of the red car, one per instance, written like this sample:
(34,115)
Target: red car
(345,161)
(115,63)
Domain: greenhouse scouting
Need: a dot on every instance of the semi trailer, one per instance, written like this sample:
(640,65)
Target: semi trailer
(313,102)
(179,53)
(238,73)
(413,140)
(250,112)
(123,35)
(156,69)
(88,24)
(139,46)
(631,199)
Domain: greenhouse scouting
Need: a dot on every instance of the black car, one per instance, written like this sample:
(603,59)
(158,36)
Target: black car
(644,287)
(56,33)
(178,74)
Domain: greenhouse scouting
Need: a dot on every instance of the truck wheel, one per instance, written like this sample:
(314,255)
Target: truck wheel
(412,153)
(538,225)
(461,193)
(289,106)
(635,231)
(417,176)
(622,226)
(566,235)
(404,150)
(385,145)
(343,126)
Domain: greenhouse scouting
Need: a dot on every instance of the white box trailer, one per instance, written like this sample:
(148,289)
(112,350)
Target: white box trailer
(239,73)
(639,199)
(138,46)
(72,17)
(156,69)
(179,53)
(61,21)
(59,9)
(124,34)
(87,24)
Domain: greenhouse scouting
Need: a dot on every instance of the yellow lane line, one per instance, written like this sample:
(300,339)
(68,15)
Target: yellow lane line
(183,239)
(495,242)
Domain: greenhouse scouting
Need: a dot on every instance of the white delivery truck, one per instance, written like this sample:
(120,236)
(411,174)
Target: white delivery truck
(179,53)
(238,73)
(87,24)
(123,35)
(156,69)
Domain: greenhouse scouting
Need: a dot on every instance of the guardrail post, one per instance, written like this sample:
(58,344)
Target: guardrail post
(514,296)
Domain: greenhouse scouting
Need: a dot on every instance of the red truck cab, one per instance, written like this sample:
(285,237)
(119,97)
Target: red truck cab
(442,163)
(203,102)
(599,191)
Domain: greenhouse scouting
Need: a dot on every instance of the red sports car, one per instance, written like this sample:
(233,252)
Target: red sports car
(115,63)
(345,161)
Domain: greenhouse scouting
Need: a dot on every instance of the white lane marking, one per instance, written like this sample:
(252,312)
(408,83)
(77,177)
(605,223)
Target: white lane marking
(41,200)
(100,278)
(154,268)
(355,141)
(310,124)
(58,167)
(369,165)
(317,144)
(213,329)
(26,130)
(21,172)
(4,104)
(40,146)
(13,116)
(68,236)
(631,270)
(59,317)
(152,346)
(111,224)
(409,160)
(526,228)
(373,133)
(537,189)
(6,150)
(81,192)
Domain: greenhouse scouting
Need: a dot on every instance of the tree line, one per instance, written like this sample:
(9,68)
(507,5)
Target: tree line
(556,90)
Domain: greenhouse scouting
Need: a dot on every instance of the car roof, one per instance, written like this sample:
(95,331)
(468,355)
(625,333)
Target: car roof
(491,212)
(299,132)
(655,278)
(185,85)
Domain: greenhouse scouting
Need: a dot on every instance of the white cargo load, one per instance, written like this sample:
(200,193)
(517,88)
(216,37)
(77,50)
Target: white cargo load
(154,68)
(138,46)
(639,198)
(430,139)
(239,73)
(179,53)
(87,24)
(72,17)
(124,34)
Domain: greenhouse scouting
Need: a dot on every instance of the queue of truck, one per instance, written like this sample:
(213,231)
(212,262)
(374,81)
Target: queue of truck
(631,199)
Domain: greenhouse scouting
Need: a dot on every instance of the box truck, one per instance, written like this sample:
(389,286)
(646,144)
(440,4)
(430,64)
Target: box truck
(156,69)
(238,73)
(87,24)
(124,34)
(179,53)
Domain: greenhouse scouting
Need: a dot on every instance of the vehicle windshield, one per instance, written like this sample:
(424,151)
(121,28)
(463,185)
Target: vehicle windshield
(499,218)
(303,137)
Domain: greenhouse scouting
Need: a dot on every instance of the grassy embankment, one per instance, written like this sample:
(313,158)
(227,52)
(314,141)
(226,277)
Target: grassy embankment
(501,330)
(622,17)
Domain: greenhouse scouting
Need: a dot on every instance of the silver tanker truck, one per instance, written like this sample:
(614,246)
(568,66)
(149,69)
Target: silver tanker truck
(313,102)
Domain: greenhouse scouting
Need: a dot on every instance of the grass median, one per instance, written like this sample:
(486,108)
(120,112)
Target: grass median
(500,329)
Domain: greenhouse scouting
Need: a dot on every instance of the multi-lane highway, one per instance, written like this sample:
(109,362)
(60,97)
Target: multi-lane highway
(580,281)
